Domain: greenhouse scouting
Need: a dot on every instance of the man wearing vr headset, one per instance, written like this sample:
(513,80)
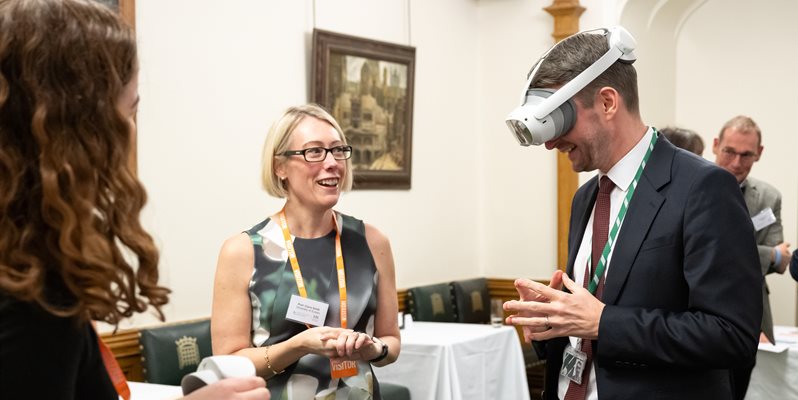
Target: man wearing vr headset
(661,294)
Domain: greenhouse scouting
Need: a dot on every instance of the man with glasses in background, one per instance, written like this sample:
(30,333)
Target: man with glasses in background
(736,149)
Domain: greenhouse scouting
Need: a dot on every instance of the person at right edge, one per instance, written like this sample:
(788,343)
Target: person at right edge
(677,299)
(736,149)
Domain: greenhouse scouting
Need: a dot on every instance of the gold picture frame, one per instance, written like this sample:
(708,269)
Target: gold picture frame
(367,85)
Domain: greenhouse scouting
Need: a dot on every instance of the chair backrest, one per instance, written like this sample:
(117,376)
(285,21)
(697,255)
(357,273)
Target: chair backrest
(431,303)
(471,300)
(170,352)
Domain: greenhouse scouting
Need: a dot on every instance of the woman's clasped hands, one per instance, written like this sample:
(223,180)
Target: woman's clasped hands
(341,344)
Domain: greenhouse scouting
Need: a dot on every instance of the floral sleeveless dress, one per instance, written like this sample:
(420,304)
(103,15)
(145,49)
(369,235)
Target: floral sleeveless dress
(270,291)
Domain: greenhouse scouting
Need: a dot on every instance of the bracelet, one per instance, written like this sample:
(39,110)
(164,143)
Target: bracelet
(269,364)
(384,352)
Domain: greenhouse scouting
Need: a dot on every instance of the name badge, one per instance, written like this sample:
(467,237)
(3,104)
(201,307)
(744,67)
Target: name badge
(306,311)
(573,364)
(763,219)
(343,369)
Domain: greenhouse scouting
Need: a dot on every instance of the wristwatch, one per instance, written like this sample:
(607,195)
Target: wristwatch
(384,352)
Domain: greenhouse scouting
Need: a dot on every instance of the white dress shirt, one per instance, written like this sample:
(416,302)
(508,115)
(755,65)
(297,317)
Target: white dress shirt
(622,174)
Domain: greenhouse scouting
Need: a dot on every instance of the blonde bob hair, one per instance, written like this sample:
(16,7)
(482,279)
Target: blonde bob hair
(280,136)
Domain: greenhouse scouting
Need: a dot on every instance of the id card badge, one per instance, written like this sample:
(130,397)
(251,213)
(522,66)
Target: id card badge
(343,369)
(573,364)
(763,219)
(306,311)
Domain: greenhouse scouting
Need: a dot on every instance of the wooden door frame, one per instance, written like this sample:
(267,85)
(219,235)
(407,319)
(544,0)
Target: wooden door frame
(566,15)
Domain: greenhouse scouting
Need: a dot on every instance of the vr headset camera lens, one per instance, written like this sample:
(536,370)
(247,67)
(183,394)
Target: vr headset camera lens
(521,132)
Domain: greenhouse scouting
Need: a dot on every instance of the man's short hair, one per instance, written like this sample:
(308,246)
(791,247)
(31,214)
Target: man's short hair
(742,123)
(574,55)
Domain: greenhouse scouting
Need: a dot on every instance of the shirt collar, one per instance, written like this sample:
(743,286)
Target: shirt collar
(623,172)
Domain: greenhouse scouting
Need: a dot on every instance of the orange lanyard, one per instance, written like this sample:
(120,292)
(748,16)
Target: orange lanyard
(113,368)
(339,264)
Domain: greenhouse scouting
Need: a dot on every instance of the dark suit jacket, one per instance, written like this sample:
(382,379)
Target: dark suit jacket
(683,290)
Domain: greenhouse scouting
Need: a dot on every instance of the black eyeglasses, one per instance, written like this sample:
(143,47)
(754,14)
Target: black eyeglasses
(745,157)
(318,154)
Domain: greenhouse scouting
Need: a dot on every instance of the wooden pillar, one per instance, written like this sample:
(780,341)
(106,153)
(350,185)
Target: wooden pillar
(127,10)
(566,22)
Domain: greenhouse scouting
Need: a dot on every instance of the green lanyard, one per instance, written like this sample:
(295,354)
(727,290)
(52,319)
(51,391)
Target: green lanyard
(602,263)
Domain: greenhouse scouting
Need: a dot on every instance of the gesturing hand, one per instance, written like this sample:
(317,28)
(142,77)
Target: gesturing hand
(545,312)
(784,249)
(527,294)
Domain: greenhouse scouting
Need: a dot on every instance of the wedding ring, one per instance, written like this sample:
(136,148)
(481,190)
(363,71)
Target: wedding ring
(547,323)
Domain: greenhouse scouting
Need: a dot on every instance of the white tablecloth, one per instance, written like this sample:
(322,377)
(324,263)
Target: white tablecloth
(151,391)
(775,375)
(443,361)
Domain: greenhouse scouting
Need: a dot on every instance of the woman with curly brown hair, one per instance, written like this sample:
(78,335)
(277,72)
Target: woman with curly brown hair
(72,249)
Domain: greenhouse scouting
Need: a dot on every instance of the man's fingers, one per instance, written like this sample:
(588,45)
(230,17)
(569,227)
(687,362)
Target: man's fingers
(570,284)
(545,335)
(556,280)
(523,291)
(539,322)
(544,292)
(527,307)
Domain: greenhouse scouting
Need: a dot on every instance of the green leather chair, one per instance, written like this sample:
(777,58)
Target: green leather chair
(171,351)
(431,303)
(392,391)
(471,300)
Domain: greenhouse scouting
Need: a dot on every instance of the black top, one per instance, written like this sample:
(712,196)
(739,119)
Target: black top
(47,357)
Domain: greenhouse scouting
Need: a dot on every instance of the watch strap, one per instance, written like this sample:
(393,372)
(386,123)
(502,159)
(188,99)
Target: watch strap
(384,352)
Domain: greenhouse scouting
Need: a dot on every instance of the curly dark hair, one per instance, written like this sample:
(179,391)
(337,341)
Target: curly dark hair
(70,236)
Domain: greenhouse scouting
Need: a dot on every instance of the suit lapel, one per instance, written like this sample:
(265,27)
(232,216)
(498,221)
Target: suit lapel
(646,203)
(751,196)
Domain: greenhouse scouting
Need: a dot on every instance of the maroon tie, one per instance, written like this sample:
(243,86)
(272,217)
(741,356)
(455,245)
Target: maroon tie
(601,227)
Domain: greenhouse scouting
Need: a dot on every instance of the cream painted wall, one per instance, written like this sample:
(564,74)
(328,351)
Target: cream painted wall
(723,70)
(519,201)
(214,78)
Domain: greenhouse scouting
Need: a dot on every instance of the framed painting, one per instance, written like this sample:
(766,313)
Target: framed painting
(367,85)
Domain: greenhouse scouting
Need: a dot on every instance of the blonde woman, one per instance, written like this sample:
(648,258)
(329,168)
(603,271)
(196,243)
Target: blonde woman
(261,291)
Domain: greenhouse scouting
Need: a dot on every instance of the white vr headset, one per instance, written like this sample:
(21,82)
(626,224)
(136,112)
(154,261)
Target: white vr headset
(545,114)
(215,368)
